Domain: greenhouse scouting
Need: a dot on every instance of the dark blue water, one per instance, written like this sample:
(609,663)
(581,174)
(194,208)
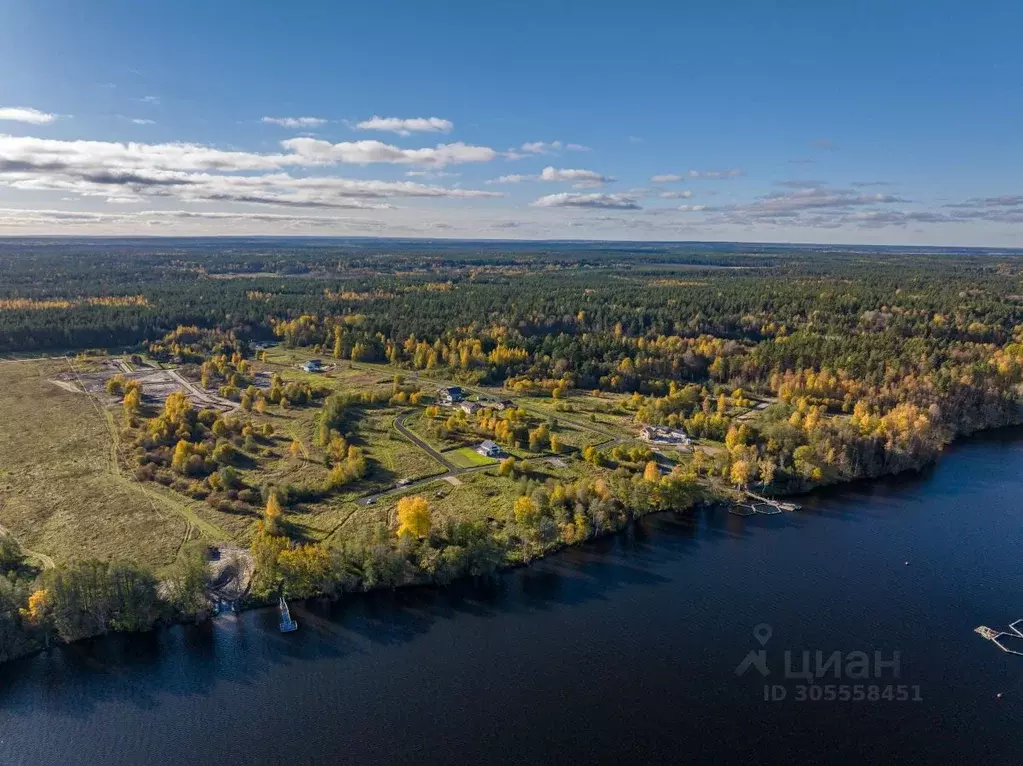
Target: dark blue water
(621,651)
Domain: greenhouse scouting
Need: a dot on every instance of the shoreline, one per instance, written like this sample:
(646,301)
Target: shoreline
(717,503)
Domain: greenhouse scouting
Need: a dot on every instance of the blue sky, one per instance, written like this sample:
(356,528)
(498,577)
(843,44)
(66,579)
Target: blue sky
(886,122)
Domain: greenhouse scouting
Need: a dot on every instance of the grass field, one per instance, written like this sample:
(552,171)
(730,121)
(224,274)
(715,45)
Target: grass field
(65,496)
(468,457)
(600,413)
(61,493)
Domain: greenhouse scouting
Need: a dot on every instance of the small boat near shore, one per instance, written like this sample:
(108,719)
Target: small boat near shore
(288,625)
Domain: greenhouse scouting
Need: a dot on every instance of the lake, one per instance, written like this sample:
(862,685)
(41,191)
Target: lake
(624,650)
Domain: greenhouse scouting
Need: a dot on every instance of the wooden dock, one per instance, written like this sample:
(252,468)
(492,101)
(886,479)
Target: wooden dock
(777,504)
(996,636)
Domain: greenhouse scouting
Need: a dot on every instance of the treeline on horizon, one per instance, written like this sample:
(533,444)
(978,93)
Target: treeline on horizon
(213,288)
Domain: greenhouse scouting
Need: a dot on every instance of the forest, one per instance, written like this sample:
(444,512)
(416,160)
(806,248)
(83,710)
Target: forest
(792,368)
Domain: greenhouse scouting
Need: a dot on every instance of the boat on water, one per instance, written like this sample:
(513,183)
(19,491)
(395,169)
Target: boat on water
(287,624)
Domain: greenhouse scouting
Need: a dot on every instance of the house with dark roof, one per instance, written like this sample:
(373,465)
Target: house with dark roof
(450,395)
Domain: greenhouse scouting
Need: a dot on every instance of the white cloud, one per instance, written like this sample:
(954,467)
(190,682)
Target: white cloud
(692,208)
(821,208)
(568,199)
(666,178)
(25,114)
(143,121)
(580,178)
(407,126)
(542,147)
(515,178)
(315,151)
(551,173)
(676,194)
(552,147)
(301,152)
(18,218)
(150,99)
(716,175)
(431,174)
(197,173)
(295,122)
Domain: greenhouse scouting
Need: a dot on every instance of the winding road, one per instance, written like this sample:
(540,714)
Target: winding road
(399,424)
(201,394)
(452,469)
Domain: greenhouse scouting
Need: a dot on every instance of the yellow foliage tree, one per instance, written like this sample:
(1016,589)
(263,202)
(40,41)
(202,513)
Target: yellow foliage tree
(132,402)
(722,404)
(273,515)
(182,451)
(413,516)
(37,604)
(741,473)
(526,511)
(304,569)
(651,472)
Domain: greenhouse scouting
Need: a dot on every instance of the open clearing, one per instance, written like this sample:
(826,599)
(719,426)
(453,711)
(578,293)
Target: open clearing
(62,493)
(467,457)
(65,495)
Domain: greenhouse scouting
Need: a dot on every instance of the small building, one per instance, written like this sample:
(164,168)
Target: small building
(662,435)
(469,408)
(313,365)
(505,404)
(450,395)
(489,448)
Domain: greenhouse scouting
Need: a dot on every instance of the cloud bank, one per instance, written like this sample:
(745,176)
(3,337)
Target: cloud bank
(25,114)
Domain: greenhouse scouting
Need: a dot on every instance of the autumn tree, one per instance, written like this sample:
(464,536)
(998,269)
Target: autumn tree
(133,401)
(35,611)
(273,515)
(741,473)
(413,517)
(526,511)
(304,569)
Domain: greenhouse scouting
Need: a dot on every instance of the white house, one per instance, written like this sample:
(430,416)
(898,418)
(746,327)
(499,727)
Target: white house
(488,448)
(469,408)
